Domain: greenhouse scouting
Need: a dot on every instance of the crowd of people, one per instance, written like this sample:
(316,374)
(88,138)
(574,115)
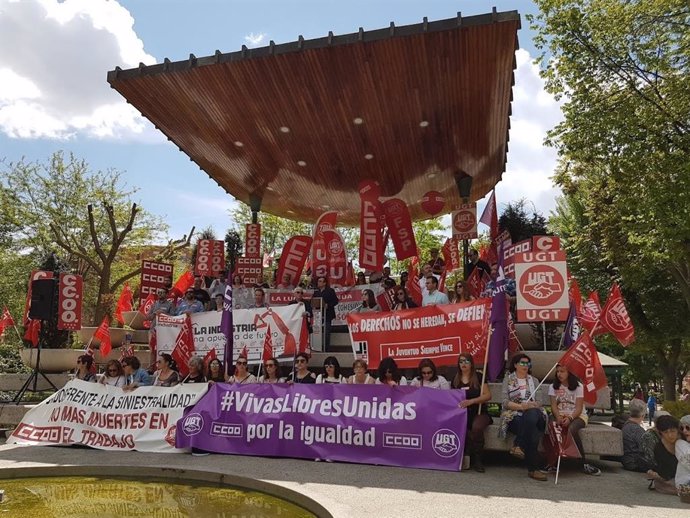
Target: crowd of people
(521,412)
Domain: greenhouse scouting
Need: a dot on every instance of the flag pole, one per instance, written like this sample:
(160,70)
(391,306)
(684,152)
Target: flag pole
(17,331)
(558,469)
(543,380)
(486,361)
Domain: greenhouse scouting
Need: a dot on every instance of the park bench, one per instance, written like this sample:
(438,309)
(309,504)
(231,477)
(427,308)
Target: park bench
(597,438)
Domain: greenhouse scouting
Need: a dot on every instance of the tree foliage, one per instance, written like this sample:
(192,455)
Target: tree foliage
(519,223)
(622,69)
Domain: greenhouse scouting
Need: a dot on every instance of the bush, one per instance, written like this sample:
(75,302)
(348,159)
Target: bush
(10,362)
(677,408)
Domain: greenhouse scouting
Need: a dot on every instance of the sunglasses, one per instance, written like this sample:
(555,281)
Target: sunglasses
(269,365)
(400,293)
(464,361)
(242,362)
(524,364)
(329,365)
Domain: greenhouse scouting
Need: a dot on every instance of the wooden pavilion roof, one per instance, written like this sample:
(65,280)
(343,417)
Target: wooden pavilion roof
(297,126)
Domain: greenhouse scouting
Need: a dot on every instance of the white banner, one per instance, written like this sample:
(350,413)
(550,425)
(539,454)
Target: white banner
(107,418)
(249,325)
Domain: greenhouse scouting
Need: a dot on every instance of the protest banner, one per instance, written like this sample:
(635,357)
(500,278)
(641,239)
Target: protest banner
(69,301)
(509,253)
(399,223)
(292,259)
(542,290)
(367,424)
(371,237)
(210,257)
(440,333)
(249,330)
(107,418)
(153,276)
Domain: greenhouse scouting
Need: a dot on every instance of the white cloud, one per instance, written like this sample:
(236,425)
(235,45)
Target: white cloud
(530,163)
(54,57)
(254,40)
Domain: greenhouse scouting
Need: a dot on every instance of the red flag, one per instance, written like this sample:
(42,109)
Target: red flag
(126,352)
(146,306)
(477,282)
(244,353)
(559,443)
(210,356)
(186,280)
(451,254)
(102,334)
(292,258)
(582,360)
(490,216)
(442,282)
(124,303)
(268,346)
(153,342)
(335,268)
(399,224)
(184,346)
(6,319)
(590,315)
(412,284)
(32,330)
(350,278)
(614,317)
(304,345)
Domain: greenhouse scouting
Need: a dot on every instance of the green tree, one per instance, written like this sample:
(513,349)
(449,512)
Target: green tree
(206,233)
(233,249)
(275,231)
(61,205)
(519,224)
(622,69)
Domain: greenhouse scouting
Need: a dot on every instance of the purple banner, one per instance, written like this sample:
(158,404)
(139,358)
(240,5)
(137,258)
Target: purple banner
(368,424)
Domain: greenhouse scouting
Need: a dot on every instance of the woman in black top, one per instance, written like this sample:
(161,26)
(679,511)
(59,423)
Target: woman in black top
(301,372)
(403,300)
(476,394)
(663,475)
(215,371)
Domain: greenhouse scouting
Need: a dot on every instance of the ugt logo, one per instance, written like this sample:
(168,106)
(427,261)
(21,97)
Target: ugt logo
(192,424)
(445,443)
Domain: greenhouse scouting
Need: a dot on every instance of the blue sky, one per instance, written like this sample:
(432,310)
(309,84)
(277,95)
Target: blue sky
(54,57)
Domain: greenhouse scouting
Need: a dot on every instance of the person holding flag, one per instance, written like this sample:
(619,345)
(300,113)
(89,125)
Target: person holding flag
(567,407)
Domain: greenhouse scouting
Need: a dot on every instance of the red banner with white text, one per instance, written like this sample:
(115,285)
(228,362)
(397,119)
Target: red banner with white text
(439,332)
(70,289)
(210,257)
(292,259)
(399,223)
(153,276)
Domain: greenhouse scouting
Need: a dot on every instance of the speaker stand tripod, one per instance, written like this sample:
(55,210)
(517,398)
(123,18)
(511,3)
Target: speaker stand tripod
(33,379)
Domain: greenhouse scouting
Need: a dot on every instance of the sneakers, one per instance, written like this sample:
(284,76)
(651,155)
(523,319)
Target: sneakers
(477,464)
(517,452)
(591,470)
(548,469)
(537,475)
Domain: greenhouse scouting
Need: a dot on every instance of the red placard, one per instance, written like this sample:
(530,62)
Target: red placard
(509,256)
(399,223)
(252,241)
(35,275)
(465,221)
(437,332)
(153,276)
(70,289)
(251,269)
(542,287)
(292,258)
(370,237)
(210,257)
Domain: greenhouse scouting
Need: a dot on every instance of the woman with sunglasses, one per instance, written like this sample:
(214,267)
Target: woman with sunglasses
(83,371)
(461,293)
(388,373)
(331,369)
(522,415)
(360,376)
(477,394)
(361,279)
(114,375)
(368,302)
(403,300)
(215,371)
(242,376)
(271,372)
(166,373)
(428,376)
(567,407)
(301,372)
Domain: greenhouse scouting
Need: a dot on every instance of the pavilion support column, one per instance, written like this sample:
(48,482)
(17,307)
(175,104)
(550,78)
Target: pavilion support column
(255,206)
(463,181)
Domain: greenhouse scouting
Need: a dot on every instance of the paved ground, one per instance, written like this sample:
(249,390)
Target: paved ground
(351,490)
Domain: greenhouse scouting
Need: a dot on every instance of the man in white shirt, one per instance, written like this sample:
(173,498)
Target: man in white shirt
(426,271)
(433,296)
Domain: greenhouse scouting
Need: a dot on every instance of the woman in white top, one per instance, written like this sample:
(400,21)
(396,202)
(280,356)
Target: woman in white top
(683,453)
(331,368)
(271,372)
(361,376)
(368,302)
(428,376)
(114,375)
(242,375)
(567,405)
(388,373)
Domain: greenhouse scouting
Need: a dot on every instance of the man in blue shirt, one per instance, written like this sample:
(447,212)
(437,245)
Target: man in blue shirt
(433,296)
(189,304)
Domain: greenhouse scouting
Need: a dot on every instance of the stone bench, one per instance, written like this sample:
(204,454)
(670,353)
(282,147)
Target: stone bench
(603,401)
(597,439)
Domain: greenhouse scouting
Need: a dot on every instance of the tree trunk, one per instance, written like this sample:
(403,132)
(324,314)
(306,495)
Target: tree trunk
(668,359)
(105,298)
